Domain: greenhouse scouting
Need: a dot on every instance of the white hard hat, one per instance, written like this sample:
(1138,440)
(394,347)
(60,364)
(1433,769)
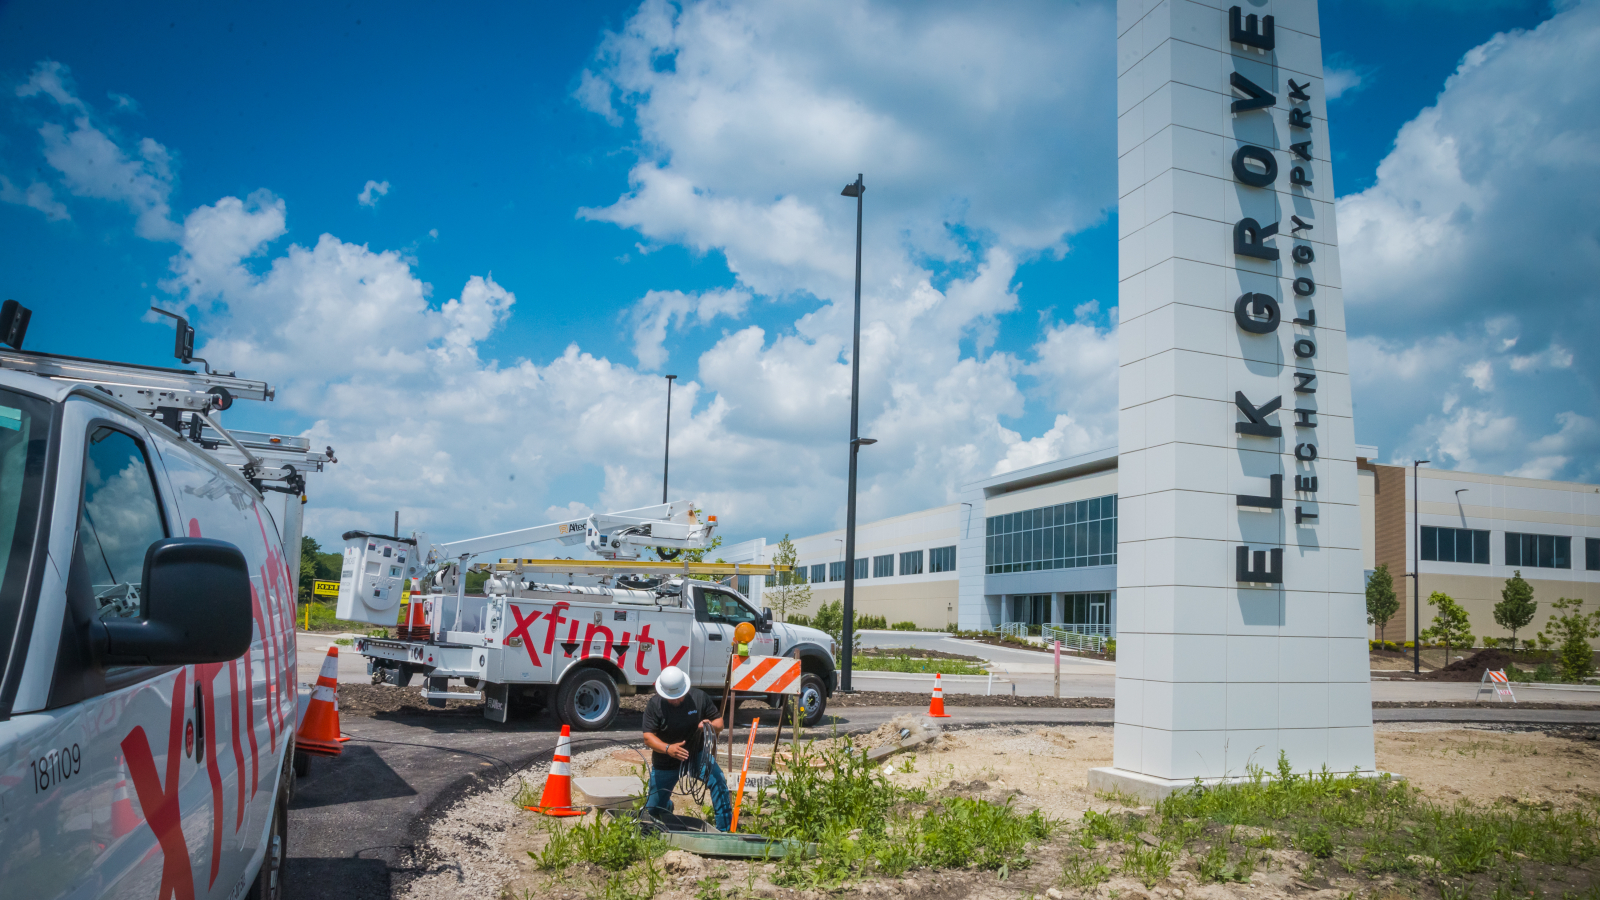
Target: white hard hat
(672,683)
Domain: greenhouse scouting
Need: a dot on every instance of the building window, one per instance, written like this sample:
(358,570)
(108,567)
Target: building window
(911,563)
(942,559)
(1591,554)
(1538,551)
(1463,545)
(883,566)
(861,569)
(1053,537)
(836,571)
(819,573)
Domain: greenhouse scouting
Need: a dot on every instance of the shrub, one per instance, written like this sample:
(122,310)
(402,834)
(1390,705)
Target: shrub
(903,626)
(1572,632)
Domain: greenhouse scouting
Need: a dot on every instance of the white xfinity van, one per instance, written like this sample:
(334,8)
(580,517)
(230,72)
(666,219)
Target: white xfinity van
(147,658)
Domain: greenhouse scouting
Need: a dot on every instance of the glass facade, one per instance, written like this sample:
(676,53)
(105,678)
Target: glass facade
(1455,545)
(1539,551)
(836,571)
(819,573)
(1591,554)
(942,559)
(883,566)
(1064,536)
(911,563)
(861,569)
(1077,609)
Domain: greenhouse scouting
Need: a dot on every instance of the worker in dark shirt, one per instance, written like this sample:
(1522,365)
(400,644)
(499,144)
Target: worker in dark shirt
(672,730)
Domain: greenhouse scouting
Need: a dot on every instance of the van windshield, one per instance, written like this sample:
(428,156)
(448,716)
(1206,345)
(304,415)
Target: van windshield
(24,443)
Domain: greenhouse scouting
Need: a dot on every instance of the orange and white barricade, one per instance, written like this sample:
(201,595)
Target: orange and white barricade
(766,675)
(1496,681)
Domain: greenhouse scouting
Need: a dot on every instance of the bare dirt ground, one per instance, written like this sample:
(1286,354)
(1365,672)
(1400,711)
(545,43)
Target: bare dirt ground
(479,848)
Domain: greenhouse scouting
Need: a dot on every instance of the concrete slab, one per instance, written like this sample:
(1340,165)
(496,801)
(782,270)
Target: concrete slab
(1153,790)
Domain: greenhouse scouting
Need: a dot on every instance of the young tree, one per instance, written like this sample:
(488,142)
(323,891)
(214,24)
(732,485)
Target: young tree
(309,551)
(1516,608)
(789,591)
(1382,603)
(1573,630)
(1450,625)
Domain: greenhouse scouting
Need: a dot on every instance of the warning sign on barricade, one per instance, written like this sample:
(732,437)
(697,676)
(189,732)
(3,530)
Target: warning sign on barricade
(1498,682)
(767,675)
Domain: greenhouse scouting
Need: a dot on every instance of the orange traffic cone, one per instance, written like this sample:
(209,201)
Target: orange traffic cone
(319,732)
(416,627)
(936,705)
(557,799)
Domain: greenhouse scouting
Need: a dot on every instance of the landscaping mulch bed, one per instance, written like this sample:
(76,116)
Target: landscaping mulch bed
(913,653)
(1471,668)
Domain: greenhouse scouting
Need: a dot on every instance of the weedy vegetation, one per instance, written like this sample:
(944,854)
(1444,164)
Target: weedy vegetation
(1343,831)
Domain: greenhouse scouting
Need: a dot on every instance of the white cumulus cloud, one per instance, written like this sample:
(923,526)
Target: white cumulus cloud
(1468,265)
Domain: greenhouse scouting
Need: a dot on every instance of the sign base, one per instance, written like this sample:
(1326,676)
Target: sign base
(1152,790)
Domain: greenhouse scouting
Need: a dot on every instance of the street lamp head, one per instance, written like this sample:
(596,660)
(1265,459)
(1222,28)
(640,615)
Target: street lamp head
(851,190)
(1420,462)
(864,441)
(671,377)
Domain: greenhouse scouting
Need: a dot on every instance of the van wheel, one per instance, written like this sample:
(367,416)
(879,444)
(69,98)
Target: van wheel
(588,702)
(302,764)
(269,880)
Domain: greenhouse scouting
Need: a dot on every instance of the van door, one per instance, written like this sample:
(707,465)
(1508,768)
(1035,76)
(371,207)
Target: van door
(109,806)
(247,706)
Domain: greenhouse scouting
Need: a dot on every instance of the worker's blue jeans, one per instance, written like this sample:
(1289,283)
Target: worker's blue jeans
(662,781)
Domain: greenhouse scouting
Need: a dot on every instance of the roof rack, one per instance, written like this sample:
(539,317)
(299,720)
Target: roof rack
(185,401)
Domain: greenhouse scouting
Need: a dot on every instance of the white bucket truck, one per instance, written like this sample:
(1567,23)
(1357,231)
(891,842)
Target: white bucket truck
(575,647)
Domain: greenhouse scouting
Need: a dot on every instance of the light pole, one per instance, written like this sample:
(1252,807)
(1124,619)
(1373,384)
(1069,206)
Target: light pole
(1416,577)
(847,636)
(666,459)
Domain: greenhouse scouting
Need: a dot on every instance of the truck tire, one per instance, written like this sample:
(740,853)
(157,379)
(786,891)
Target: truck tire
(588,702)
(813,698)
(269,879)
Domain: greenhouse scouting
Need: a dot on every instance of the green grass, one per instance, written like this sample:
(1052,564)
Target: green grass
(614,844)
(864,824)
(1362,826)
(908,664)
(323,618)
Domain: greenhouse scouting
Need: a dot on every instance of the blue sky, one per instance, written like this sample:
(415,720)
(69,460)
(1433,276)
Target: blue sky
(569,201)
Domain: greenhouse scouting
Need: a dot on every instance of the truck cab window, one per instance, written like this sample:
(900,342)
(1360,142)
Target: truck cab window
(119,520)
(724,608)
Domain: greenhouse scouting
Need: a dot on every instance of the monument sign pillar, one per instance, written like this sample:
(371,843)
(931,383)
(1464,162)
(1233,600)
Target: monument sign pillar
(1242,627)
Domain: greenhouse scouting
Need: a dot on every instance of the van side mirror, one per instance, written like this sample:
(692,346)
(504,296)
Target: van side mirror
(195,608)
(766,620)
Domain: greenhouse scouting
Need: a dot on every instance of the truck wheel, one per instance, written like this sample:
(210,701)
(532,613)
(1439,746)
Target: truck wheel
(813,699)
(589,701)
(269,879)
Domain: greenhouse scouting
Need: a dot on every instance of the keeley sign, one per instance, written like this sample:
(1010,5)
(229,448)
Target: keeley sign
(1241,628)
